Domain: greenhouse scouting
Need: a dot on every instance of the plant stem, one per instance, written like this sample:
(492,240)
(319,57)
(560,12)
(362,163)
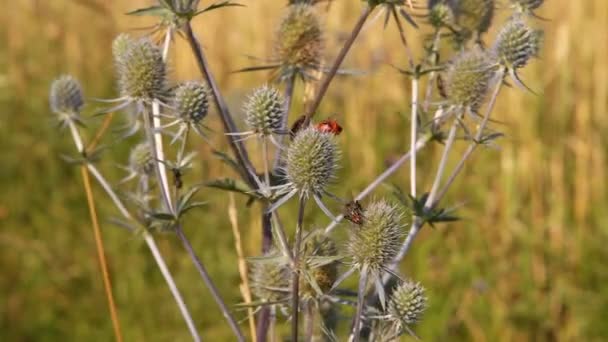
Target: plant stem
(442,164)
(433,74)
(310,321)
(473,145)
(155,139)
(247,172)
(265,324)
(101,253)
(289,88)
(420,143)
(310,112)
(414,135)
(295,293)
(209,283)
(360,299)
(243,271)
(408,51)
(265,161)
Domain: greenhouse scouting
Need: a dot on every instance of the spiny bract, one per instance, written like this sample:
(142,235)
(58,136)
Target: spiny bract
(191,101)
(270,279)
(140,68)
(141,161)
(376,242)
(324,274)
(312,161)
(299,40)
(468,78)
(517,43)
(264,111)
(407,303)
(66,96)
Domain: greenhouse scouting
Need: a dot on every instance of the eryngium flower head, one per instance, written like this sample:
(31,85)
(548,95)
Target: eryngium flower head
(66,96)
(270,279)
(407,303)
(376,242)
(526,5)
(440,14)
(299,41)
(468,79)
(473,16)
(141,70)
(191,102)
(324,274)
(120,45)
(516,43)
(141,160)
(264,111)
(312,161)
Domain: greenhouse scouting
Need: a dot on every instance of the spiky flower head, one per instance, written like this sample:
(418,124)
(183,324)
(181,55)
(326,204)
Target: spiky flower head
(473,16)
(141,70)
(66,96)
(264,110)
(191,101)
(376,242)
(270,279)
(315,251)
(407,303)
(440,14)
(468,78)
(312,161)
(141,160)
(526,6)
(299,41)
(517,43)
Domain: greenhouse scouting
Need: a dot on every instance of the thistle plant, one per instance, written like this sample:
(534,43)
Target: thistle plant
(303,273)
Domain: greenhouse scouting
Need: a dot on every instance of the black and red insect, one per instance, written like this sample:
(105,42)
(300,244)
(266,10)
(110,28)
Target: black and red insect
(353,211)
(329,126)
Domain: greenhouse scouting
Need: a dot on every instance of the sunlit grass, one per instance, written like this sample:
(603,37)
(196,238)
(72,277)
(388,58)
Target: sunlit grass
(527,262)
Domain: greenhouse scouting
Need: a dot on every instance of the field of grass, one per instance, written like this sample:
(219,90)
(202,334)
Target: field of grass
(529,260)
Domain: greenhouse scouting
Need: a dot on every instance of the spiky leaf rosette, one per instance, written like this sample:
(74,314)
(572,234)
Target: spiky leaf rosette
(66,96)
(270,279)
(141,160)
(324,273)
(473,16)
(191,102)
(141,70)
(376,242)
(517,43)
(312,161)
(264,111)
(468,78)
(299,42)
(407,303)
(526,5)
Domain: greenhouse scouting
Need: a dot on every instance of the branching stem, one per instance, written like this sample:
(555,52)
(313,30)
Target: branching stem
(295,293)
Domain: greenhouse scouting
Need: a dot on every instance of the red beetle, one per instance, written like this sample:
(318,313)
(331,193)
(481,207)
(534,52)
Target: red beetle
(353,211)
(329,126)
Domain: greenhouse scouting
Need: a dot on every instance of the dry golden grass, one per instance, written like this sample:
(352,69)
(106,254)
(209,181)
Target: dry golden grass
(528,262)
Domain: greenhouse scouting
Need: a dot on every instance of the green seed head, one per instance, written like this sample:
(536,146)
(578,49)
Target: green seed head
(318,246)
(141,160)
(191,102)
(377,241)
(468,78)
(517,43)
(120,45)
(66,96)
(312,161)
(473,16)
(440,14)
(407,303)
(526,5)
(140,68)
(299,39)
(264,110)
(270,279)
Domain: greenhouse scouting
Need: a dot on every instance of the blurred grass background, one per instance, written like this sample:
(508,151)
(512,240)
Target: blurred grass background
(528,262)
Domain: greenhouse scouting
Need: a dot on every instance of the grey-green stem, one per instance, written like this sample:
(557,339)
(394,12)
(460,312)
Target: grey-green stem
(295,286)
(360,299)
